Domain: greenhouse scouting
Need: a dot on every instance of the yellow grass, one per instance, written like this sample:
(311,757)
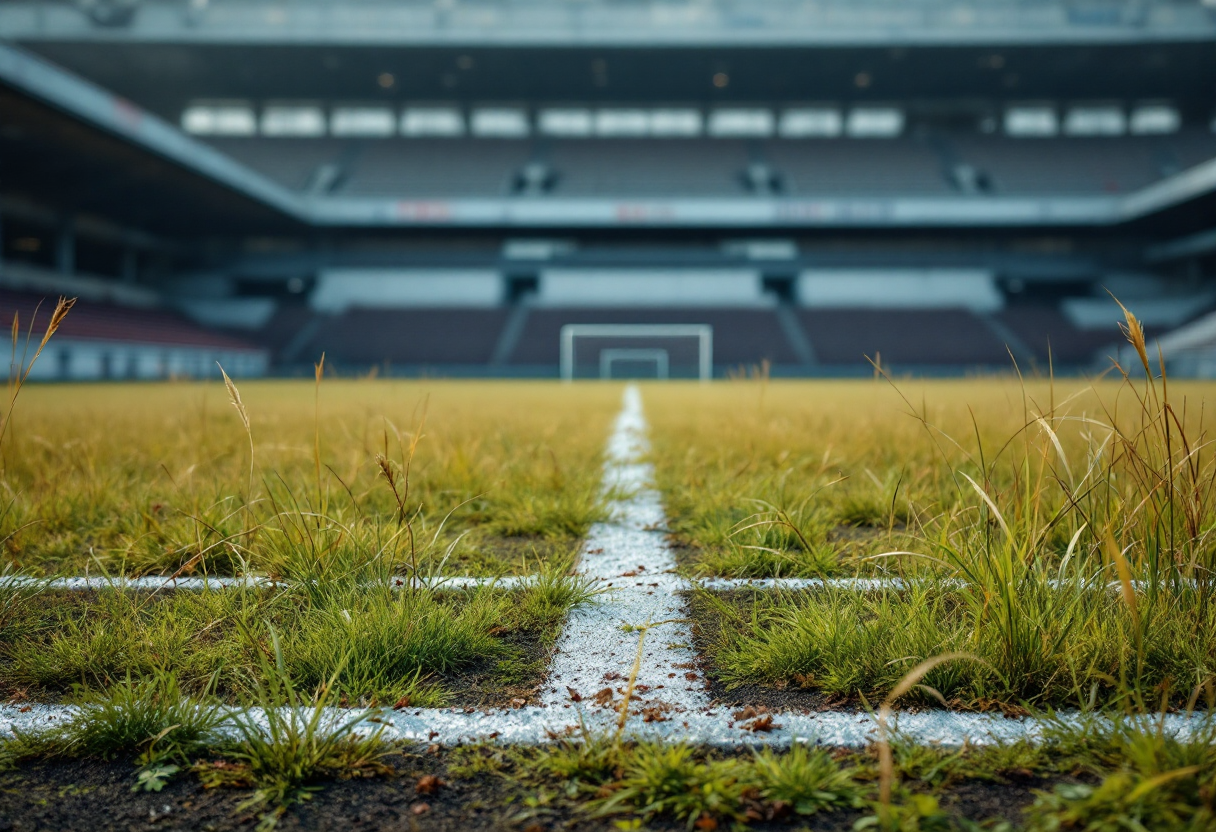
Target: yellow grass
(859,465)
(165,478)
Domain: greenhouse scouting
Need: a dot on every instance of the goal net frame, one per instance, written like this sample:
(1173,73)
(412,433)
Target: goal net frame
(704,333)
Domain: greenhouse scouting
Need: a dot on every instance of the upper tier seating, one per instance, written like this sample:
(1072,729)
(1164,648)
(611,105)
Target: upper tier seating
(649,168)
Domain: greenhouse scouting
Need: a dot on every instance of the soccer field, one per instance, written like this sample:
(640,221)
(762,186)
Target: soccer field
(599,593)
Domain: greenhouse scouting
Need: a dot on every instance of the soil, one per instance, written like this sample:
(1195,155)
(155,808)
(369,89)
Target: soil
(94,796)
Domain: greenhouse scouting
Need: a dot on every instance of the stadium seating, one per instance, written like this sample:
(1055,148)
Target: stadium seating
(649,168)
(408,337)
(439,168)
(935,337)
(290,162)
(435,168)
(1045,330)
(94,321)
(1075,166)
(847,166)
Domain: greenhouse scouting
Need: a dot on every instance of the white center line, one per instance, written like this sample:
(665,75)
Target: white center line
(629,556)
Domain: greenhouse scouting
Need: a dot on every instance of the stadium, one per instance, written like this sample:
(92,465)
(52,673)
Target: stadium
(608,414)
(440,191)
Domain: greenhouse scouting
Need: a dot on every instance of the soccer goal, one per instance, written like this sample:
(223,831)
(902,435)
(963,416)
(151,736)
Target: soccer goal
(671,349)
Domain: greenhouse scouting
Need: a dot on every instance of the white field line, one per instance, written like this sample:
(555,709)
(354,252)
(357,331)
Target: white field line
(714,726)
(153,583)
(629,558)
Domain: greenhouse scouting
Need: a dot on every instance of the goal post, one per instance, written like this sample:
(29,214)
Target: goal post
(616,334)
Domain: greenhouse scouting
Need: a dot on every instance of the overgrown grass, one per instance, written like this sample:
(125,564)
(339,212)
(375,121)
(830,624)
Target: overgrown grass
(137,479)
(1061,532)
(393,643)
(148,719)
(1061,646)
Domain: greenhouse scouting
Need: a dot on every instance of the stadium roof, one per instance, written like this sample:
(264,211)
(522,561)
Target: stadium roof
(604,22)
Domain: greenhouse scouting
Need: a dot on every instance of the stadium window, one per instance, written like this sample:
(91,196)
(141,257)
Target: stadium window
(622,123)
(565,123)
(1095,121)
(219,120)
(362,121)
(500,123)
(675,123)
(810,123)
(432,121)
(1031,121)
(729,124)
(1155,119)
(293,120)
(875,122)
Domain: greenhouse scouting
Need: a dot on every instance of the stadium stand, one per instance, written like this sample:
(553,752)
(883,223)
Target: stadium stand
(106,341)
(641,168)
(432,168)
(1079,165)
(410,337)
(682,150)
(1051,336)
(847,166)
(637,168)
(903,338)
(291,162)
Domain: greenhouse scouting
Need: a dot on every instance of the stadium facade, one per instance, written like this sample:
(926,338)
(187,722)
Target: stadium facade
(941,187)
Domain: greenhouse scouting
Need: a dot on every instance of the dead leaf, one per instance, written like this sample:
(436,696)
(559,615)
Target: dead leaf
(762,724)
(706,823)
(575,696)
(655,713)
(403,702)
(428,784)
(603,697)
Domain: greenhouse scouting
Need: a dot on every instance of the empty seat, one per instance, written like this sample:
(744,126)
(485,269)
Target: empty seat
(409,336)
(942,337)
